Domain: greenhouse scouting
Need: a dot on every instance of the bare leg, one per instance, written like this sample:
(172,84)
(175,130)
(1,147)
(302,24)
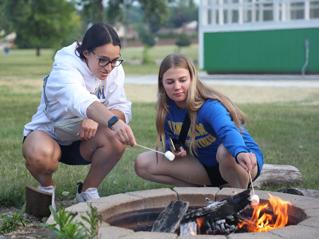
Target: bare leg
(104,151)
(42,155)
(185,171)
(232,172)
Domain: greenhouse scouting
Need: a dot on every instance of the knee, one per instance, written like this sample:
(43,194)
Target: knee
(141,165)
(224,158)
(45,159)
(104,139)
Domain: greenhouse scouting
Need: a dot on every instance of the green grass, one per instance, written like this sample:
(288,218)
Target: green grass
(288,133)
(25,64)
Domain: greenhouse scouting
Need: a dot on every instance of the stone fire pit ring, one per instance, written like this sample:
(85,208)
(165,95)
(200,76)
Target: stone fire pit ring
(113,205)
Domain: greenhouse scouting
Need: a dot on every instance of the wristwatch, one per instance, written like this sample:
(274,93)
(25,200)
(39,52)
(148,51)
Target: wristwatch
(112,121)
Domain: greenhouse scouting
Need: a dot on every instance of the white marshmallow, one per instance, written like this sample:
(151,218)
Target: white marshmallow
(254,200)
(169,155)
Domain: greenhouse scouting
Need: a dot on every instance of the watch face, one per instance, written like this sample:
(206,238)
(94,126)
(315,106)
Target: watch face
(112,121)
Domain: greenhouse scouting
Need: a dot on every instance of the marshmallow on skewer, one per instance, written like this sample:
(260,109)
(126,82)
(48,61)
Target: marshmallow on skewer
(254,199)
(169,155)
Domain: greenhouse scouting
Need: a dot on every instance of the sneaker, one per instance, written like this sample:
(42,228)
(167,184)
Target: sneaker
(88,195)
(38,200)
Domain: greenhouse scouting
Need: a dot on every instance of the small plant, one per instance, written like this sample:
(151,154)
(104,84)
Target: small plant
(10,222)
(66,228)
(93,219)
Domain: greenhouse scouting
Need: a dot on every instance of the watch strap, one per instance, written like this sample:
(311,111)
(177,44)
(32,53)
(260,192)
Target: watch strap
(112,121)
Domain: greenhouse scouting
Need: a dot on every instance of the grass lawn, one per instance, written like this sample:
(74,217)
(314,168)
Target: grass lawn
(284,123)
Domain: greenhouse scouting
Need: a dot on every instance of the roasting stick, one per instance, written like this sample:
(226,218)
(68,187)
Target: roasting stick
(168,154)
(251,182)
(254,198)
(144,147)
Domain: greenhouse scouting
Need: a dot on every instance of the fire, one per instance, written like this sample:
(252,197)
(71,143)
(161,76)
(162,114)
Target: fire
(267,216)
(200,222)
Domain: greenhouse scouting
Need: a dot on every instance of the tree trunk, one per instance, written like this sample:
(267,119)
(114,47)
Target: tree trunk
(37,51)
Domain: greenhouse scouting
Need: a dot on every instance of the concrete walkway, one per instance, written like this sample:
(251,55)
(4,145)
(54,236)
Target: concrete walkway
(307,81)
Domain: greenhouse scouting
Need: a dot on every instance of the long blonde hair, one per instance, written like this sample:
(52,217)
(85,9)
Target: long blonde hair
(196,96)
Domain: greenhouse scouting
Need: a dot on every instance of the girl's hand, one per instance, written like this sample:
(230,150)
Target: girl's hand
(181,152)
(247,160)
(124,133)
(88,129)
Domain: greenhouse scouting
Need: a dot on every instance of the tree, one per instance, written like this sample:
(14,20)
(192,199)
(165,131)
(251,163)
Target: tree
(183,40)
(155,13)
(92,11)
(5,25)
(42,24)
(148,40)
(181,12)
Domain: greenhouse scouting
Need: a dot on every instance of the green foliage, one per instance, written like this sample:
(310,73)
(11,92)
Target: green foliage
(92,11)
(183,40)
(4,23)
(148,39)
(92,222)
(10,222)
(181,13)
(40,24)
(155,13)
(66,227)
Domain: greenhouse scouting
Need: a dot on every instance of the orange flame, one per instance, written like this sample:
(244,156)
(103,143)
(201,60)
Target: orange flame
(267,216)
(200,222)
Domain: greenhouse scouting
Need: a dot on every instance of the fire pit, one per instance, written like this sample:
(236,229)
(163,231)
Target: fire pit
(131,215)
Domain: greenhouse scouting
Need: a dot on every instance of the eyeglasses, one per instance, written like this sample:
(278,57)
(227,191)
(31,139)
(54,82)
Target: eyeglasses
(103,61)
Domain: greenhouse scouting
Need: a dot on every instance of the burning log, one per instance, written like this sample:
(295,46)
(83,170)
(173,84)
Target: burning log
(221,209)
(169,219)
(218,217)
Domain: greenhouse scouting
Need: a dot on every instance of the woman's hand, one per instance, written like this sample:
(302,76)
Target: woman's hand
(181,152)
(88,129)
(124,133)
(247,160)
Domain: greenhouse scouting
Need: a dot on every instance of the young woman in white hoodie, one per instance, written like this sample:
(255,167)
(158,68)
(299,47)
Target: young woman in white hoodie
(85,92)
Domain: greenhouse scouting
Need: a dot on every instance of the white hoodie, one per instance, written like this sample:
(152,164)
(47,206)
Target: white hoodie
(71,88)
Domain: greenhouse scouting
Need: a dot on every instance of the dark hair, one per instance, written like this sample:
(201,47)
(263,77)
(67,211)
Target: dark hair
(97,35)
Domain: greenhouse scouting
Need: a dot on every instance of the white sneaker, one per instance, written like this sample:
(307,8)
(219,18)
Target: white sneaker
(50,190)
(88,195)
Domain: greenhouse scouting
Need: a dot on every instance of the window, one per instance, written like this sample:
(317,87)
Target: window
(297,10)
(314,9)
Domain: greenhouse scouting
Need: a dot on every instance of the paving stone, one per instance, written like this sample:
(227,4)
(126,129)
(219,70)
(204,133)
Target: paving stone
(204,237)
(150,235)
(155,197)
(310,222)
(253,235)
(297,232)
(116,204)
(110,232)
(312,212)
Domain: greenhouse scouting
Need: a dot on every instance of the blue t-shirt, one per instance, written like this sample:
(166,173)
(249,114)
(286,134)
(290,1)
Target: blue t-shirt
(214,126)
